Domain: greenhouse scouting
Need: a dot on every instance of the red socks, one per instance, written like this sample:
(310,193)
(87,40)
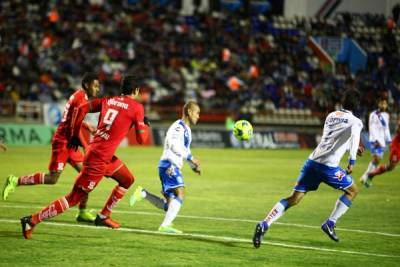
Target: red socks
(54,209)
(116,195)
(36,178)
(59,206)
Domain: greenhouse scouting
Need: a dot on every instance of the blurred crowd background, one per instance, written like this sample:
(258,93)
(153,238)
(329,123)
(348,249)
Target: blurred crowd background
(230,61)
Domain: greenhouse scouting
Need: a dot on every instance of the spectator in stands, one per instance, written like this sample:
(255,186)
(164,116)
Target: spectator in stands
(44,48)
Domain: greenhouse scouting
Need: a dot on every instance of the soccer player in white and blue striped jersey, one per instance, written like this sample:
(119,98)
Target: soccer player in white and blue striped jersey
(176,150)
(341,133)
(379,137)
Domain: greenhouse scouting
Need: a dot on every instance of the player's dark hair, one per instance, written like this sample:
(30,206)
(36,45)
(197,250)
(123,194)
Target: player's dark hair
(351,99)
(380,99)
(189,105)
(128,84)
(88,78)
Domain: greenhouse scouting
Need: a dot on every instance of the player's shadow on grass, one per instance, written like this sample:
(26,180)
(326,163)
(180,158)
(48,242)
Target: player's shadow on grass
(204,239)
(5,234)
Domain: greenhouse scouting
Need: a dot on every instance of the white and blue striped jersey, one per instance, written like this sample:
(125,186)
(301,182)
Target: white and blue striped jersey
(177,144)
(379,128)
(341,133)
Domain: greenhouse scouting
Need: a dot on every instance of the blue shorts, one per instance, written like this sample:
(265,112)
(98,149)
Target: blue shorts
(313,173)
(376,150)
(170,182)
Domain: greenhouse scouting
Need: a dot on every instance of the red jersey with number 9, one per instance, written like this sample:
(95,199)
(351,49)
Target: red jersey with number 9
(117,115)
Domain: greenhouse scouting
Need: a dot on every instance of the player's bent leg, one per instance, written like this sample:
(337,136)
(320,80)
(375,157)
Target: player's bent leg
(372,166)
(13,182)
(83,215)
(140,193)
(382,169)
(351,192)
(391,166)
(275,213)
(174,205)
(54,209)
(125,179)
(115,196)
(341,207)
(295,198)
(77,166)
(52,177)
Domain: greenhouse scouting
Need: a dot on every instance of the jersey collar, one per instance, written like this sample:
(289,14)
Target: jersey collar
(346,111)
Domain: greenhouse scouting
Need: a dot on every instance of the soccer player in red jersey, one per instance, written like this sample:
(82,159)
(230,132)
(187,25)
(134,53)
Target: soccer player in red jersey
(394,157)
(117,115)
(61,154)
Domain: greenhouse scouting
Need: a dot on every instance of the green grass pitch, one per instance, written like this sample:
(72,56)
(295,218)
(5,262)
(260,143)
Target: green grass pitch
(236,189)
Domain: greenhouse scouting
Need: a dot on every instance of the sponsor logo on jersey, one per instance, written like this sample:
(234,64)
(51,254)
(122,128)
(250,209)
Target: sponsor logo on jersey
(113,102)
(102,134)
(335,120)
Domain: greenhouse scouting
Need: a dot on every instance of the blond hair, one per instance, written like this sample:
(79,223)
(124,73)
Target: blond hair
(188,106)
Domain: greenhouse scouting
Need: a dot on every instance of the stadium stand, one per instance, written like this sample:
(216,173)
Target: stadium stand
(257,65)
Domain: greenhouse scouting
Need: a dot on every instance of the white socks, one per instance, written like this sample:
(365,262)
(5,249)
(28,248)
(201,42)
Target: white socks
(276,212)
(341,206)
(173,209)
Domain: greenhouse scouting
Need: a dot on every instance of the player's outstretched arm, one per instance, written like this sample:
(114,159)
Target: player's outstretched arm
(77,120)
(354,145)
(141,126)
(195,165)
(361,149)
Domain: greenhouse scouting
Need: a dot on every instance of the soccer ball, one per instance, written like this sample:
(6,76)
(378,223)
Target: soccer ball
(243,130)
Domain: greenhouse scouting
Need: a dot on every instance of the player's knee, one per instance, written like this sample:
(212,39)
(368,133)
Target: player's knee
(52,178)
(179,192)
(293,201)
(181,195)
(353,191)
(75,196)
(127,181)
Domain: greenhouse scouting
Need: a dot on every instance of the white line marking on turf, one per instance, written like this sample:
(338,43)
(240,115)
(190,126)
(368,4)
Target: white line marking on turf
(223,238)
(224,219)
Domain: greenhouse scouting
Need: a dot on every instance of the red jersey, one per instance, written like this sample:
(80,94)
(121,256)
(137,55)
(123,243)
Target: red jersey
(64,129)
(117,115)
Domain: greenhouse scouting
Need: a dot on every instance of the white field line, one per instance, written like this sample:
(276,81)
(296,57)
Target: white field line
(221,219)
(214,237)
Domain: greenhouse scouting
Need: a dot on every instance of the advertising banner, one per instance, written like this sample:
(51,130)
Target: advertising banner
(26,134)
(261,139)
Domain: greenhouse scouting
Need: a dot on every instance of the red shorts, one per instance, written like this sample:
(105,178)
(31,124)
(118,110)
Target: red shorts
(112,167)
(61,154)
(394,152)
(94,170)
